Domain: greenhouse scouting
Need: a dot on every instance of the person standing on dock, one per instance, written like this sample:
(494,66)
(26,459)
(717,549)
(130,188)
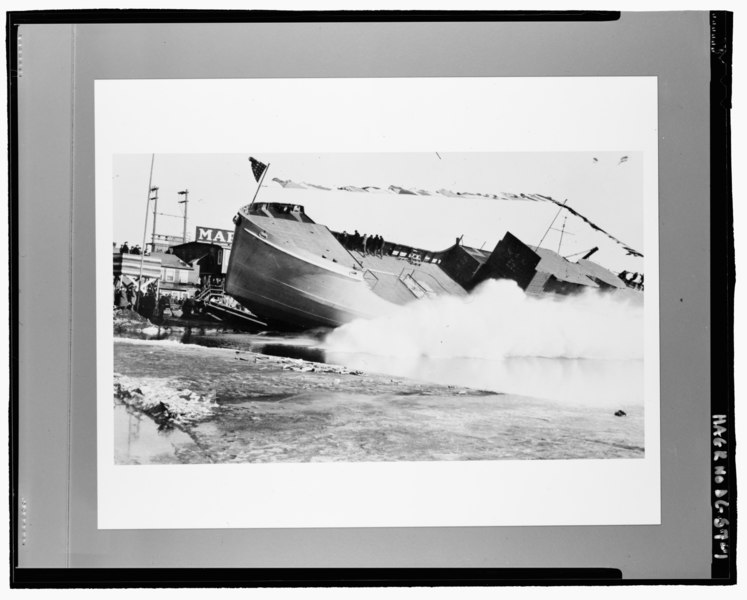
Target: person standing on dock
(148,305)
(131,295)
(363,245)
(187,307)
(121,297)
(164,302)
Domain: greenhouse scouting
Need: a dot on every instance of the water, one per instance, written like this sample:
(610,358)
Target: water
(542,378)
(139,440)
(614,384)
(585,349)
(266,413)
(609,383)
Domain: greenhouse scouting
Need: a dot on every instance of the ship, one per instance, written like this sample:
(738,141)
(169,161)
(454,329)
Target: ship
(297,274)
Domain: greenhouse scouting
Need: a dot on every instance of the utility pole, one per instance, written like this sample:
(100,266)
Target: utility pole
(154,190)
(145,231)
(185,202)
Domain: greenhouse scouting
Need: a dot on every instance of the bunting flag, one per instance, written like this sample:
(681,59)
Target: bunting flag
(395,189)
(399,190)
(257,168)
(287,183)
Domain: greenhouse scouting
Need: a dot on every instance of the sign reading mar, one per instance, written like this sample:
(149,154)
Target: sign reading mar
(222,237)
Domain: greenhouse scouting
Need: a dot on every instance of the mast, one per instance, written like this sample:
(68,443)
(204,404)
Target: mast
(551,224)
(562,231)
(259,184)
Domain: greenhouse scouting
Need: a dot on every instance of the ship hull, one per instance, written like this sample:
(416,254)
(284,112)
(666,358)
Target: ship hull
(292,290)
(295,274)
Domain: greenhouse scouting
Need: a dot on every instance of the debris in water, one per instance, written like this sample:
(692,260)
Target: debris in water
(163,403)
(129,320)
(298,364)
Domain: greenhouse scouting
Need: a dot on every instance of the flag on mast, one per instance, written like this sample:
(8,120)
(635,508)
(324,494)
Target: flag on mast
(258,168)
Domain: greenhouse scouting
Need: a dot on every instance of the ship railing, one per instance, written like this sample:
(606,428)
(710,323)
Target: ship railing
(208,293)
(424,285)
(360,264)
(370,272)
(416,287)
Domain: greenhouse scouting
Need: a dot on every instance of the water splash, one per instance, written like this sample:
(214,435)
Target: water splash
(498,320)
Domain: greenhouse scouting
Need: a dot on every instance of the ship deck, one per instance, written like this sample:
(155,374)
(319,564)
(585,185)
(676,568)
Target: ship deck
(308,238)
(384,272)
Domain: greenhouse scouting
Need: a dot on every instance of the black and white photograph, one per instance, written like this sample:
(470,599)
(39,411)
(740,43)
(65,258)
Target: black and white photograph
(403,285)
(378,307)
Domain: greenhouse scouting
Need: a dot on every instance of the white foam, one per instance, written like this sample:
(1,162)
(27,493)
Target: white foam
(498,320)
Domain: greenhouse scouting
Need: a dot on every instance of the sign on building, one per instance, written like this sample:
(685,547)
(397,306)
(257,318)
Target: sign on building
(222,237)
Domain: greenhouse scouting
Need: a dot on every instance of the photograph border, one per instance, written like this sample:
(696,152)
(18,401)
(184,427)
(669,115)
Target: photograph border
(382,494)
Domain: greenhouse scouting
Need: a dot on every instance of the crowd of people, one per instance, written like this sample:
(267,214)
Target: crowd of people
(125,296)
(150,307)
(152,304)
(632,280)
(126,249)
(366,244)
(209,282)
(149,303)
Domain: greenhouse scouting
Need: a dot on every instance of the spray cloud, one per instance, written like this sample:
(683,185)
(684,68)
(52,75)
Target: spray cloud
(498,320)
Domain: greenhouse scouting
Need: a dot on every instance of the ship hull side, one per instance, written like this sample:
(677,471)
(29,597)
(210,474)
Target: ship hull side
(291,292)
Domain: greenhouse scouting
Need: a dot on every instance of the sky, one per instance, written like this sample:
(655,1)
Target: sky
(605,190)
